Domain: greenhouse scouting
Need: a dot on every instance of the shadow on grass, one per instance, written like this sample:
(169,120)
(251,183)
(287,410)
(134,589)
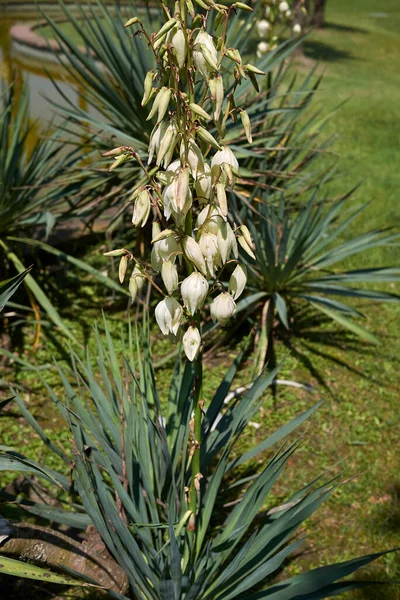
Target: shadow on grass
(344,28)
(320,51)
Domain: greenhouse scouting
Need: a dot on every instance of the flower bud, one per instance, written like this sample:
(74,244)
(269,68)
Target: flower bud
(194,290)
(155,139)
(123,265)
(133,288)
(167,144)
(169,274)
(221,198)
(226,241)
(209,247)
(206,137)
(203,185)
(246,234)
(222,307)
(141,208)
(262,28)
(165,29)
(217,93)
(243,242)
(204,39)
(192,342)
(237,281)
(163,103)
(177,40)
(199,111)
(246,125)
(193,253)
(168,315)
(148,89)
(139,278)
(117,252)
(131,21)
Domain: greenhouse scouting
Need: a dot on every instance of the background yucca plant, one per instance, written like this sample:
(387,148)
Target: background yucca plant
(300,259)
(33,197)
(110,70)
(129,476)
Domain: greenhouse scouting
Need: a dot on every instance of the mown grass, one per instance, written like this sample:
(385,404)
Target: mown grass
(357,427)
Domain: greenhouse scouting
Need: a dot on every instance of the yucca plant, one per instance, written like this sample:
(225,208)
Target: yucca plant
(33,194)
(128,473)
(110,67)
(300,260)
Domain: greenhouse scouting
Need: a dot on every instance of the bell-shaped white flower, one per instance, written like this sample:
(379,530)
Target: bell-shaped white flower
(194,157)
(141,207)
(193,253)
(194,290)
(222,164)
(237,281)
(133,288)
(169,315)
(203,185)
(296,29)
(210,219)
(165,249)
(176,199)
(283,6)
(192,342)
(262,28)
(262,48)
(202,65)
(209,247)
(169,274)
(222,307)
(139,278)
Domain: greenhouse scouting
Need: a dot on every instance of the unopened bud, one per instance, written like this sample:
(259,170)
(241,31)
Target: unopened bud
(222,307)
(133,290)
(237,281)
(194,290)
(217,93)
(169,274)
(221,198)
(198,110)
(167,144)
(178,42)
(117,252)
(165,28)
(123,265)
(148,89)
(191,342)
(141,208)
(246,125)
(246,234)
(242,241)
(208,138)
(204,39)
(194,157)
(132,21)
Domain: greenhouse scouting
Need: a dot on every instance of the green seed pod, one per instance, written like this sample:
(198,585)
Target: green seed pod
(123,265)
(208,138)
(246,125)
(198,110)
(148,89)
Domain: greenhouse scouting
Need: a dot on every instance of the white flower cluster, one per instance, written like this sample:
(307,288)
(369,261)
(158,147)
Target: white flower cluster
(274,11)
(188,196)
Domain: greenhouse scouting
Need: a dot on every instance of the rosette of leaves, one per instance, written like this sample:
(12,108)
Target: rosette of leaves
(110,68)
(300,260)
(33,194)
(130,475)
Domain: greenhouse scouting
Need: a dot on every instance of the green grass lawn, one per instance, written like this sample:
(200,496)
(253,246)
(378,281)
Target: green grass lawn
(357,428)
